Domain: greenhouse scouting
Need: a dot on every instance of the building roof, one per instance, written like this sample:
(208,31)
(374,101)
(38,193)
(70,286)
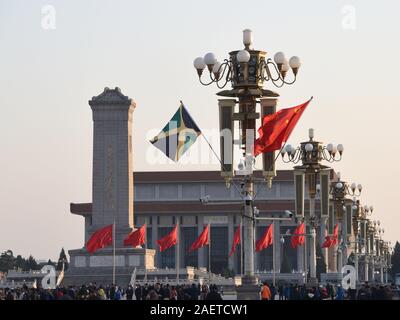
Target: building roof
(166,207)
(198,176)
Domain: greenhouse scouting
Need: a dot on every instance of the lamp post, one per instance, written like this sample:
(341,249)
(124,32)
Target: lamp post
(246,70)
(311,153)
(340,191)
(308,235)
(358,214)
(364,223)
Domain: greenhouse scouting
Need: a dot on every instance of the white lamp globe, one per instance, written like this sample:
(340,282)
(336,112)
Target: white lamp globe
(199,63)
(216,67)
(329,147)
(294,62)
(279,57)
(288,148)
(209,58)
(359,187)
(340,148)
(339,185)
(309,147)
(353,186)
(285,66)
(243,56)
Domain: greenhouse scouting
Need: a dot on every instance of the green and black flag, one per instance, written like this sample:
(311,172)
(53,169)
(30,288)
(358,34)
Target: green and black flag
(178,135)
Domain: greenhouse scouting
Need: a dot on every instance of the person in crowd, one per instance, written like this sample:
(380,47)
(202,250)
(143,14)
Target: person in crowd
(173,293)
(213,294)
(265,291)
(129,293)
(340,294)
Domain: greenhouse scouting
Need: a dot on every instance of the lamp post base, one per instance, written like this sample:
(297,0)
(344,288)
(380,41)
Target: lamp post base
(249,290)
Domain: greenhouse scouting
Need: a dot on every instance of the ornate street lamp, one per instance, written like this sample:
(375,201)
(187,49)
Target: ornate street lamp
(311,153)
(246,70)
(340,192)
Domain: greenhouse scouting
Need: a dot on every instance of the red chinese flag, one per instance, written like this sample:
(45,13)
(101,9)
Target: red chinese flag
(276,128)
(202,240)
(296,239)
(136,238)
(236,241)
(169,240)
(327,243)
(267,238)
(100,239)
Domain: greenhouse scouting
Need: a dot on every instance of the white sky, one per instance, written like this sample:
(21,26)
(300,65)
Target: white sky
(147,48)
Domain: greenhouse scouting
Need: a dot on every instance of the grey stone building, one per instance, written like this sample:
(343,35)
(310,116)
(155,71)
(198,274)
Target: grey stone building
(163,198)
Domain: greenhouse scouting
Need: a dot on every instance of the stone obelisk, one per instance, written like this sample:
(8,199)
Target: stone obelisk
(112,195)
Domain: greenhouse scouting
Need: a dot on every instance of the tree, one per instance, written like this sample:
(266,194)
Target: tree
(395,260)
(19,262)
(7,261)
(31,264)
(62,259)
(321,265)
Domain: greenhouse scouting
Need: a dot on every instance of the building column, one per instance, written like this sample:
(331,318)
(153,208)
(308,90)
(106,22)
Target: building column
(323,234)
(154,238)
(300,258)
(344,238)
(231,231)
(277,237)
(256,254)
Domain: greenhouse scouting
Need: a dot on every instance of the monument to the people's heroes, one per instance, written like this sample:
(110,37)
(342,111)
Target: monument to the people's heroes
(112,196)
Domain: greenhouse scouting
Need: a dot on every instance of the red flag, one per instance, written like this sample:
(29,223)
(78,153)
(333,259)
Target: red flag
(335,237)
(100,239)
(136,238)
(327,243)
(169,240)
(236,240)
(332,240)
(276,128)
(296,239)
(202,240)
(267,238)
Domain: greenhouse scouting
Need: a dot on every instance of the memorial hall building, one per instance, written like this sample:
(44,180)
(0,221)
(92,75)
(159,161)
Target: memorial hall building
(162,199)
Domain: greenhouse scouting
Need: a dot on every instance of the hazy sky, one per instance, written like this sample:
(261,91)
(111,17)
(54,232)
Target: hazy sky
(146,48)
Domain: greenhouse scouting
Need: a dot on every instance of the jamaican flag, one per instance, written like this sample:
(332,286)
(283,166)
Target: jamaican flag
(178,135)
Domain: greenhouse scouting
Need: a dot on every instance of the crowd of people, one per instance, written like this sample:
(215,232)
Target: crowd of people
(94,292)
(326,292)
(160,291)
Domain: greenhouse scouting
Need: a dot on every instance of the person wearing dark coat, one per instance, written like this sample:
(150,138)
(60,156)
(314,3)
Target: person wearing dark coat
(213,294)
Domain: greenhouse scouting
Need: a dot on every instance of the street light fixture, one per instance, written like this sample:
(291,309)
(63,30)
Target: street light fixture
(247,67)
(246,70)
(311,153)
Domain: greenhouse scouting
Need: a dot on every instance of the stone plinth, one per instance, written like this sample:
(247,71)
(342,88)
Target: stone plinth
(249,290)
(87,268)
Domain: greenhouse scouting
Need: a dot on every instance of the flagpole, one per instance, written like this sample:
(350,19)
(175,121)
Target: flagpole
(145,252)
(241,247)
(113,275)
(215,153)
(305,259)
(177,265)
(209,254)
(273,254)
